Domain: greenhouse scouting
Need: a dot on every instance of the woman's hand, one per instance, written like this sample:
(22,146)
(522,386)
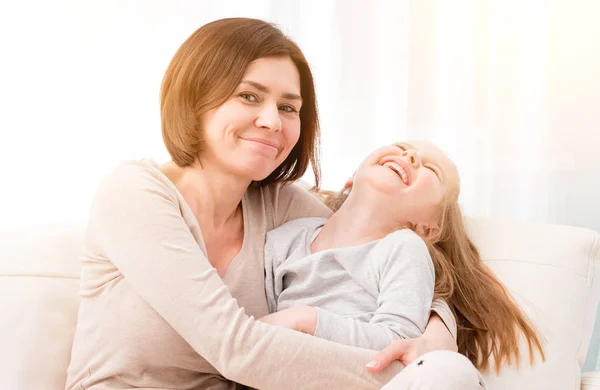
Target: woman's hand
(300,318)
(436,337)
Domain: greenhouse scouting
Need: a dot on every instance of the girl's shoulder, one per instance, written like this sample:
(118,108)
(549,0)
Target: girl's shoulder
(405,239)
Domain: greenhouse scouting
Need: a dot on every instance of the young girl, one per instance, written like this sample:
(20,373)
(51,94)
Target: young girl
(367,275)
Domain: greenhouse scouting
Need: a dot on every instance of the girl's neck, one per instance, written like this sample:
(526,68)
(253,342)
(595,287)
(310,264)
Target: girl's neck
(355,223)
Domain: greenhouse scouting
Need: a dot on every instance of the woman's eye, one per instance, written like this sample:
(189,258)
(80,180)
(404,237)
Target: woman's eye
(288,109)
(249,97)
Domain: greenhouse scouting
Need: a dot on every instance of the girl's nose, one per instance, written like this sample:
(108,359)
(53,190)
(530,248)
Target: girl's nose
(412,156)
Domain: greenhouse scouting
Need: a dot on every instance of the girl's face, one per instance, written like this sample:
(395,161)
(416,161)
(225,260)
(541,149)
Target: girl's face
(409,180)
(254,131)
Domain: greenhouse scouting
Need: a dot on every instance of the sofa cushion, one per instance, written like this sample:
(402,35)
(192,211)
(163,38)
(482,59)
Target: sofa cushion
(548,269)
(39,283)
(550,272)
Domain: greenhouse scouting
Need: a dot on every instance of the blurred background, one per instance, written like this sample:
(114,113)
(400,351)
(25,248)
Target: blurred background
(509,88)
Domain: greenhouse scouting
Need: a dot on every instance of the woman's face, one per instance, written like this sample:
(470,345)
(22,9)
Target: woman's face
(411,180)
(254,131)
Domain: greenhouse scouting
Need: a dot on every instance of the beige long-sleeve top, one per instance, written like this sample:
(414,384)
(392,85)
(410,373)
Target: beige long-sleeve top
(155,314)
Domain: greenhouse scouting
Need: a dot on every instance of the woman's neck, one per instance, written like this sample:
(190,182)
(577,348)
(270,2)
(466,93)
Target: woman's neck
(355,223)
(213,196)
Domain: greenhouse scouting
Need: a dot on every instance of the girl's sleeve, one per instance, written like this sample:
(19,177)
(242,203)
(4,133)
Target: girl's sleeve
(406,279)
(136,222)
(292,202)
(272,261)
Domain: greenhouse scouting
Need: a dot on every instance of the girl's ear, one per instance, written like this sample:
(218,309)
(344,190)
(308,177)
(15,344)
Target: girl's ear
(350,181)
(427,231)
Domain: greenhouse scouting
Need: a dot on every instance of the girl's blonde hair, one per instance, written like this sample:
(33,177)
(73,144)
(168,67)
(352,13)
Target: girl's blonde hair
(489,321)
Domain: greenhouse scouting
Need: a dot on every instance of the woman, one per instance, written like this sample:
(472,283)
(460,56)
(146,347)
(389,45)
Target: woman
(169,247)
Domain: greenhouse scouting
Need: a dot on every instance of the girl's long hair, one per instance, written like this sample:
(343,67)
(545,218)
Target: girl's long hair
(489,322)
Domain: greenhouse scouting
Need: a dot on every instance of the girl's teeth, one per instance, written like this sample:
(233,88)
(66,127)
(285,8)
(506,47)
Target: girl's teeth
(396,167)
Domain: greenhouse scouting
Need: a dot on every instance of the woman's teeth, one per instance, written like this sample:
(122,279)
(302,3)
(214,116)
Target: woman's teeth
(398,169)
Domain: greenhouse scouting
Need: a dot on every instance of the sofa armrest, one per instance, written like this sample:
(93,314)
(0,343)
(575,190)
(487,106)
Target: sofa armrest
(590,381)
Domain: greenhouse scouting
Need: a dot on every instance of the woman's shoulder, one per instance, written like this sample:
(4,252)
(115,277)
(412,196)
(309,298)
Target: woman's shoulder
(288,201)
(135,171)
(131,177)
(275,191)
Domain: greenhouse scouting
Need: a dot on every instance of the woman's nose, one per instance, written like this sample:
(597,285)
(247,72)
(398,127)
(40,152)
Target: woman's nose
(412,157)
(269,119)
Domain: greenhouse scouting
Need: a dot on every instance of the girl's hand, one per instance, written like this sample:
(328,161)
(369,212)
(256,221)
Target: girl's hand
(300,318)
(436,337)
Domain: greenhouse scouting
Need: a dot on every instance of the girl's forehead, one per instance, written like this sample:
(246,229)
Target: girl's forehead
(433,154)
(429,150)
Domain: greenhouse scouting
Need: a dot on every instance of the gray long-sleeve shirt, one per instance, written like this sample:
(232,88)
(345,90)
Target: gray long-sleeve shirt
(366,295)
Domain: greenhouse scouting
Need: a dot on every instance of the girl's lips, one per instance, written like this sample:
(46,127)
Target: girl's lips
(398,160)
(398,170)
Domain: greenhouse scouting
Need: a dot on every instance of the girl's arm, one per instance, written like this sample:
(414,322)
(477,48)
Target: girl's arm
(405,280)
(136,222)
(292,202)
(405,283)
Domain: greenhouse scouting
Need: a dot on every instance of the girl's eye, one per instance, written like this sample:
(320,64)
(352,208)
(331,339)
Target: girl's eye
(401,147)
(288,109)
(432,170)
(249,97)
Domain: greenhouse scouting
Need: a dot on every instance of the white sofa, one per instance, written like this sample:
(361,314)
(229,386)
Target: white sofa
(552,271)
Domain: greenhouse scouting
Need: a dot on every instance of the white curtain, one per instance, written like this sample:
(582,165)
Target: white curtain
(509,88)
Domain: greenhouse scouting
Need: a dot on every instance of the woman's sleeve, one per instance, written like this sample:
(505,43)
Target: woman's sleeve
(136,221)
(441,308)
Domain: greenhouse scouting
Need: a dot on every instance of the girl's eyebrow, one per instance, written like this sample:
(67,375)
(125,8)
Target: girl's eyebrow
(440,172)
(402,145)
(437,167)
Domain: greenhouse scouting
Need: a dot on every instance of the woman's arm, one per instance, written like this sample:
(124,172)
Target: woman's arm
(137,223)
(444,314)
(436,337)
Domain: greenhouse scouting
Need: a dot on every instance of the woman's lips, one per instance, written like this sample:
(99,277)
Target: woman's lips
(265,142)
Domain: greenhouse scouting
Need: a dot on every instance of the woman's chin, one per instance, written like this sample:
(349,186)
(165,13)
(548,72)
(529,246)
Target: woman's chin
(254,166)
(256,173)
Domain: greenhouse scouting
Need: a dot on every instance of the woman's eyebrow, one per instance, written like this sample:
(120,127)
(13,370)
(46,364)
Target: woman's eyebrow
(265,89)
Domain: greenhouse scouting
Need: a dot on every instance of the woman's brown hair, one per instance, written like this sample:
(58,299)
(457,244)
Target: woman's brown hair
(206,70)
(489,322)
